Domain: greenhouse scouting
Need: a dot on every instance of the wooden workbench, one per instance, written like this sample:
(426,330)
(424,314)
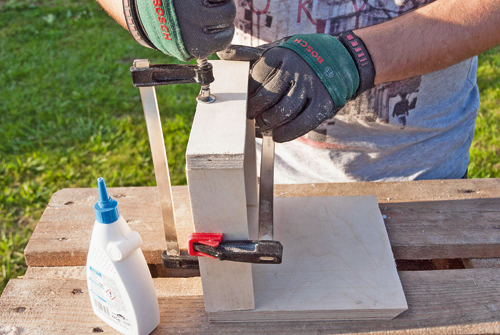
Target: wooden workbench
(425,220)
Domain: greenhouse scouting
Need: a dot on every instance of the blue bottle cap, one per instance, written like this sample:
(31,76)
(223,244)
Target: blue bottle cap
(106,209)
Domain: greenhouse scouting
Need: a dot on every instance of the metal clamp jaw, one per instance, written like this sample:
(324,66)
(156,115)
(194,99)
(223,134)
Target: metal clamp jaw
(145,74)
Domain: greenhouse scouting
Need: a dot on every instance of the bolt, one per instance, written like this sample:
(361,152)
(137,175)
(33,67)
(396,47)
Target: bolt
(204,96)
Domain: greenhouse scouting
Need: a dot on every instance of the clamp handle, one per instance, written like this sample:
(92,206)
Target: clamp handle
(211,245)
(171,74)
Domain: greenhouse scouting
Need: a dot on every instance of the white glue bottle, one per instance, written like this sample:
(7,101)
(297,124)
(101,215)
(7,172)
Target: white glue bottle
(120,285)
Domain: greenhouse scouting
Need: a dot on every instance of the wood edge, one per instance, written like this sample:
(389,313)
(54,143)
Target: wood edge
(318,189)
(55,272)
(305,316)
(219,161)
(76,258)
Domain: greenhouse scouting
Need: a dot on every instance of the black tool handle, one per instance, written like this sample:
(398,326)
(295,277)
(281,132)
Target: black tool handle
(262,252)
(170,74)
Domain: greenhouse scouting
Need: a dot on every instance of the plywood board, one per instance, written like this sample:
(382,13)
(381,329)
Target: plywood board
(217,138)
(216,179)
(337,264)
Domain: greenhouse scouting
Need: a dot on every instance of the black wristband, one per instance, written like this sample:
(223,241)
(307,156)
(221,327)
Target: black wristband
(134,24)
(362,58)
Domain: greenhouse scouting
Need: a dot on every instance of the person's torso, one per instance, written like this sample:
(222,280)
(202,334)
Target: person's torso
(263,21)
(416,128)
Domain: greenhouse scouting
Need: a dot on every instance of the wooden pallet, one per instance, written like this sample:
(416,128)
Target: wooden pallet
(425,220)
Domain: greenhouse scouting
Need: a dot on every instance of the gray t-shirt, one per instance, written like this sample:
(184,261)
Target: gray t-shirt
(419,128)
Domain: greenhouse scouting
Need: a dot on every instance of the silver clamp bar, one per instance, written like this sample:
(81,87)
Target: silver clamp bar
(157,144)
(266,195)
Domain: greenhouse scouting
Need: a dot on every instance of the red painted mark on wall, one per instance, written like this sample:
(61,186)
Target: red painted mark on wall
(259,12)
(357,9)
(302,7)
(355,4)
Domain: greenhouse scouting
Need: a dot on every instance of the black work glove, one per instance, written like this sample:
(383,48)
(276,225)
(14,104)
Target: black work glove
(299,82)
(182,28)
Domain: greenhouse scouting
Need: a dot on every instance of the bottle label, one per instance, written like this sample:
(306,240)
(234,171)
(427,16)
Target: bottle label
(106,299)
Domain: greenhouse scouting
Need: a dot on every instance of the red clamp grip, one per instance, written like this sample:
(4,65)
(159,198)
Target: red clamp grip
(210,239)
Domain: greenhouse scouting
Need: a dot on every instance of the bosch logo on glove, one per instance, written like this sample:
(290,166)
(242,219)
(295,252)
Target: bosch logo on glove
(309,49)
(329,72)
(159,11)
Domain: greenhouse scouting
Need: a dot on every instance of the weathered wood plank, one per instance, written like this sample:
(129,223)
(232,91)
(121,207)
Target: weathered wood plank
(478,263)
(404,191)
(63,233)
(440,302)
(444,229)
(56,272)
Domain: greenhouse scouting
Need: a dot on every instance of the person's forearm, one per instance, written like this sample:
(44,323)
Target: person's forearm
(115,9)
(431,38)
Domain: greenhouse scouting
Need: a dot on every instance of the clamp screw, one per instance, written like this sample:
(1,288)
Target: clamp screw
(204,96)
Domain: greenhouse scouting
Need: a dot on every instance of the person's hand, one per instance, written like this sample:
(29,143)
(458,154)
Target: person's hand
(298,82)
(183,28)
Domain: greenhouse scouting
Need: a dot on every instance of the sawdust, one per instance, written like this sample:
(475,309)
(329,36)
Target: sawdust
(10,330)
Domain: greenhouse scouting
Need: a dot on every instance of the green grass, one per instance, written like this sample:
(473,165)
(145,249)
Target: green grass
(485,151)
(69,113)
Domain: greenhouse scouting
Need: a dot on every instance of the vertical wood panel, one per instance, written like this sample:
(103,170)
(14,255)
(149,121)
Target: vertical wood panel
(216,180)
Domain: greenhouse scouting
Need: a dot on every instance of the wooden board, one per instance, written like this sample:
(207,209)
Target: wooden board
(337,264)
(216,180)
(401,191)
(217,138)
(62,236)
(477,263)
(63,233)
(440,302)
